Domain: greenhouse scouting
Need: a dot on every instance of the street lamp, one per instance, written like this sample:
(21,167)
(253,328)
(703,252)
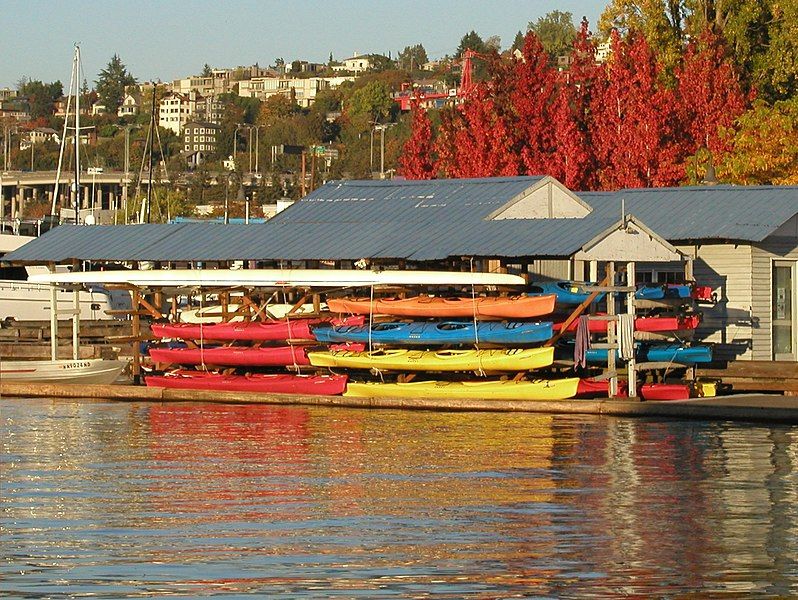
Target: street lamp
(381,128)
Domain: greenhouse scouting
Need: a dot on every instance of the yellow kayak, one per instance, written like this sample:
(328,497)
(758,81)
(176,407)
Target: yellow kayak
(400,359)
(538,389)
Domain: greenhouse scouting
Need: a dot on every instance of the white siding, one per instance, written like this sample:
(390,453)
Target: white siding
(730,323)
(783,244)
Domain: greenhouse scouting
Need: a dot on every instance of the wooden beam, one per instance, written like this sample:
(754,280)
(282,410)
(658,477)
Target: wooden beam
(575,315)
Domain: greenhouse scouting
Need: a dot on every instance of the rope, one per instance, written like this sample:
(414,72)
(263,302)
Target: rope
(480,371)
(371,315)
(202,333)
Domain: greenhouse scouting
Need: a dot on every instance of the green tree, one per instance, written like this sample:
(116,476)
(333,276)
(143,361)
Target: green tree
(111,83)
(661,22)
(412,57)
(369,104)
(764,146)
(206,71)
(41,97)
(470,40)
(380,62)
(556,31)
(518,42)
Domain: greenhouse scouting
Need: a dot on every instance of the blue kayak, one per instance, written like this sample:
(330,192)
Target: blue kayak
(655,291)
(421,333)
(567,292)
(675,353)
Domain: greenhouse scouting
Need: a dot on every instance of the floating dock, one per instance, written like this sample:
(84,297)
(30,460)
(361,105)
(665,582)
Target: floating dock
(742,407)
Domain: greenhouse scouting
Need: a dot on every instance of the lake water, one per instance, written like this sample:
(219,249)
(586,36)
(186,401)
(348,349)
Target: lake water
(112,500)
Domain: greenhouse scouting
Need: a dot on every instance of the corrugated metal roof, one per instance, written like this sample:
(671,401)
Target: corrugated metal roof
(719,212)
(425,220)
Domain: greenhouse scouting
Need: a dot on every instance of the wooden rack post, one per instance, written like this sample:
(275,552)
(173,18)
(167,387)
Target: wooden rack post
(630,309)
(136,336)
(611,337)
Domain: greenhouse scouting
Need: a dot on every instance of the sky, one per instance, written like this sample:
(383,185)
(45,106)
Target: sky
(171,39)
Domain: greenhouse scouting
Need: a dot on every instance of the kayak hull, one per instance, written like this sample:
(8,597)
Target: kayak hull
(673,353)
(644,324)
(232,356)
(568,293)
(511,307)
(253,331)
(326,385)
(554,389)
(421,333)
(665,391)
(444,360)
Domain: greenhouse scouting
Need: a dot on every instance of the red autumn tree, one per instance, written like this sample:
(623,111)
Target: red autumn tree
(477,140)
(709,93)
(574,162)
(417,161)
(635,131)
(524,88)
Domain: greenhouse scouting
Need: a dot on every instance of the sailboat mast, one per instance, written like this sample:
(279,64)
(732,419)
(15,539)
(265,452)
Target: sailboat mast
(152,136)
(77,136)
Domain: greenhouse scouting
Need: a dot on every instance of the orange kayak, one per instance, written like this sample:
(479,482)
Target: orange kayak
(509,307)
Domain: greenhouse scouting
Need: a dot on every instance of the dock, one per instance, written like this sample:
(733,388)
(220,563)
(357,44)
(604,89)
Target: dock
(741,407)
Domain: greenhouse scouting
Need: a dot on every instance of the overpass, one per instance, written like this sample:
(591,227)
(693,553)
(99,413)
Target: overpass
(101,193)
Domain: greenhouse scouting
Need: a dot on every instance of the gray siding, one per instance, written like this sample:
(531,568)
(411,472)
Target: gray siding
(781,245)
(729,324)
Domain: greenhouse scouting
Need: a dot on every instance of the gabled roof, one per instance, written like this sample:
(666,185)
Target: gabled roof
(718,212)
(429,220)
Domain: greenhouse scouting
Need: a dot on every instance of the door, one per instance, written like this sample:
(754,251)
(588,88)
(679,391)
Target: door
(783,317)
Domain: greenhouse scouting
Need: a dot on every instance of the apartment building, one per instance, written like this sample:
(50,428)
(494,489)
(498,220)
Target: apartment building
(304,90)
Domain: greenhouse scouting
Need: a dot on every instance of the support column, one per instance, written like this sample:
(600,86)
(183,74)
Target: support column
(612,339)
(631,281)
(136,336)
(75,316)
(53,317)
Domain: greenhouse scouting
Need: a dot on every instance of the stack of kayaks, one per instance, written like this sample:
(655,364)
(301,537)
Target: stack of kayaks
(272,345)
(665,320)
(491,337)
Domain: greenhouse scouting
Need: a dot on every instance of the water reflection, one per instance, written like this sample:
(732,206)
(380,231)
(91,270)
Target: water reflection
(194,499)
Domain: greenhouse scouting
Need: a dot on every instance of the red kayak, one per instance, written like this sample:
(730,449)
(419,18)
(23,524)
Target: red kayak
(298,329)
(702,293)
(665,391)
(236,356)
(589,388)
(326,385)
(650,324)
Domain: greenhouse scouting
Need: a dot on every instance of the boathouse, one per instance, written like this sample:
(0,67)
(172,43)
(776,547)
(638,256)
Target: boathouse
(741,241)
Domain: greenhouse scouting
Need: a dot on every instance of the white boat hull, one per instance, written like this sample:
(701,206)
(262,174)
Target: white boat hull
(96,370)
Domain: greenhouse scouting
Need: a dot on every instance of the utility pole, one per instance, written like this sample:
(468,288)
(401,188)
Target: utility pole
(382,152)
(257,145)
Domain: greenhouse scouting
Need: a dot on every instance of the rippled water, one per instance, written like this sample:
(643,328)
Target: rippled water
(117,500)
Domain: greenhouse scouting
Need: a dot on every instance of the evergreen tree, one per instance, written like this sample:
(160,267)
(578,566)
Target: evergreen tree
(41,97)
(471,41)
(206,71)
(111,83)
